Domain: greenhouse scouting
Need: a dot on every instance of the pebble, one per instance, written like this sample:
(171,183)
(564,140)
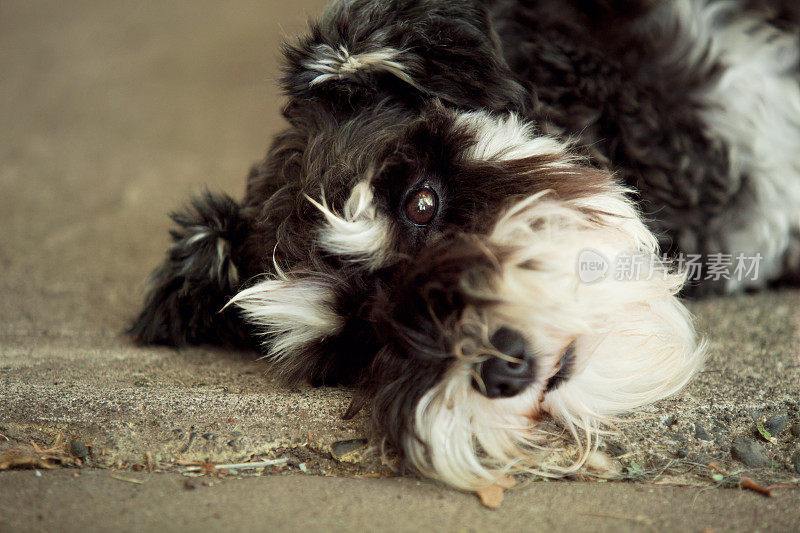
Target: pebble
(677,437)
(615,449)
(343,449)
(749,452)
(670,421)
(795,430)
(78,449)
(796,461)
(776,424)
(701,433)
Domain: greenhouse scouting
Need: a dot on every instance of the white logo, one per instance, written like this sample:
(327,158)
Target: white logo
(592,266)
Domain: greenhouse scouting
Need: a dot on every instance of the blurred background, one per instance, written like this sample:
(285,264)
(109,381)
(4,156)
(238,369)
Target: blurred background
(112,113)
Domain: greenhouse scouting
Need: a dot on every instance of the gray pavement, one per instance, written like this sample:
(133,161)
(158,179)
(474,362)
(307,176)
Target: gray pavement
(93,500)
(112,114)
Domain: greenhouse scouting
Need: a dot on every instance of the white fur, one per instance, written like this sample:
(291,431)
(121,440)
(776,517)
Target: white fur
(754,107)
(359,234)
(634,343)
(296,312)
(223,258)
(507,137)
(200,233)
(223,247)
(292,313)
(634,340)
(338,63)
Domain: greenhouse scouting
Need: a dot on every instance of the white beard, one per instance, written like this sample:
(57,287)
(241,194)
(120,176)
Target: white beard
(633,342)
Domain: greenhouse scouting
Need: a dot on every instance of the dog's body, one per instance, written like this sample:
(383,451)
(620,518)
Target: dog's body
(417,229)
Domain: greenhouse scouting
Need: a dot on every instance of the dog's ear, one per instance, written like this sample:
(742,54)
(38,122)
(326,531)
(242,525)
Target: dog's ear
(409,49)
(187,292)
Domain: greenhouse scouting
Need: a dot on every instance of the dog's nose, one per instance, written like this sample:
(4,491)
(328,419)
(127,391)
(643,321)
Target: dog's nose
(503,378)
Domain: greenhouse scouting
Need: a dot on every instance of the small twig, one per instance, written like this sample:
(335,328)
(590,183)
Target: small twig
(661,473)
(192,436)
(127,479)
(239,466)
(715,466)
(56,448)
(638,519)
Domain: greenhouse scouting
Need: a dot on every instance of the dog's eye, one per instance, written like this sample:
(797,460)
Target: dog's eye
(421,206)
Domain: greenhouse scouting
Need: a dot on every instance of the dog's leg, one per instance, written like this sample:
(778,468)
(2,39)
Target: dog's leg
(187,292)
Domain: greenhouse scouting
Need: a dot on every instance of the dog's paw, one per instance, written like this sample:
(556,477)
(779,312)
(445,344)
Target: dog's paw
(187,292)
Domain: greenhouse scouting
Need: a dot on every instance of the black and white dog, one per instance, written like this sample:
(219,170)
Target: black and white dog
(450,171)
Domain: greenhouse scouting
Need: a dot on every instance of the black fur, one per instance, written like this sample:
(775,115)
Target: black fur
(589,70)
(423,301)
(448,49)
(601,77)
(188,291)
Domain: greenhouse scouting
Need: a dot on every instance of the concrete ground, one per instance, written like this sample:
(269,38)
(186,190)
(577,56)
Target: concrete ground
(112,113)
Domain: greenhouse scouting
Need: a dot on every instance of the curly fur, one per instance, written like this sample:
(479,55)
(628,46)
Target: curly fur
(543,129)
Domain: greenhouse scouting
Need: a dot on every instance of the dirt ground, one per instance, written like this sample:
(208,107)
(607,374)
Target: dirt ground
(113,113)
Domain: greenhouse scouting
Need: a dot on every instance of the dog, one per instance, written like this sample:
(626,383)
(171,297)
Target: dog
(447,220)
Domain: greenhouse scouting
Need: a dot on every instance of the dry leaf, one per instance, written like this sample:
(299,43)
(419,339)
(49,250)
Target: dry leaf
(492,496)
(20,459)
(34,456)
(748,483)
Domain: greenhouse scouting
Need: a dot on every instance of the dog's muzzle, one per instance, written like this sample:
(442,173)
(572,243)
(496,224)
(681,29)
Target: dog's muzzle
(501,377)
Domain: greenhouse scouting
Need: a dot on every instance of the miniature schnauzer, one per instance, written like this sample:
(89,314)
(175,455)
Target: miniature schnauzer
(416,229)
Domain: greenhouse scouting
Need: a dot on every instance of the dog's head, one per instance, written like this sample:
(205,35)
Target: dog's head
(432,260)
(427,245)
(422,242)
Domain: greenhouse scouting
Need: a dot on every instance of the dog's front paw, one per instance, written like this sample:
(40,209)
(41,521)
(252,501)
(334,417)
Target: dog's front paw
(187,292)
